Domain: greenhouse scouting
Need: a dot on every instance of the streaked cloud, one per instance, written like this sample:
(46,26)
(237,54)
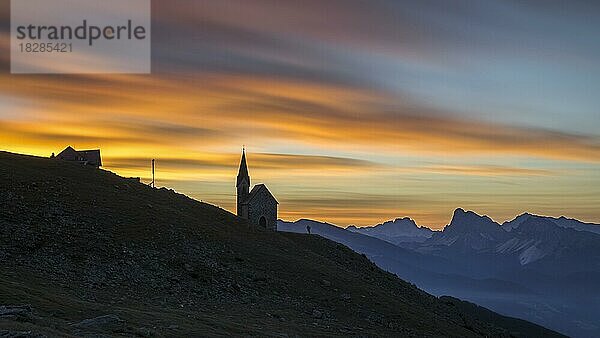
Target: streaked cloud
(259,161)
(352,111)
(292,111)
(488,170)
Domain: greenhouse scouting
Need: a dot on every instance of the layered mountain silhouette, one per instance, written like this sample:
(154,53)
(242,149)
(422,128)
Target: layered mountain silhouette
(401,230)
(562,221)
(85,252)
(543,269)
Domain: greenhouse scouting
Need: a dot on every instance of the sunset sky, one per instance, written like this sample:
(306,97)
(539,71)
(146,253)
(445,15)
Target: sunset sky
(352,112)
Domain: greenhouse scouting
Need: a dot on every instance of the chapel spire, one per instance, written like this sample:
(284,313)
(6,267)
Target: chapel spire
(243,172)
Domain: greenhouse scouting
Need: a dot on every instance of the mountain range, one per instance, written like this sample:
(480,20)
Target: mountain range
(401,230)
(542,269)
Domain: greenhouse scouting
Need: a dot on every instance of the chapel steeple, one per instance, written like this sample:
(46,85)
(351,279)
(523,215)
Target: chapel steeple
(243,172)
(243,186)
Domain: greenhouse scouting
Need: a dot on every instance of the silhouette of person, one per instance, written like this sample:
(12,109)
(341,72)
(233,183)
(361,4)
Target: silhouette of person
(308,229)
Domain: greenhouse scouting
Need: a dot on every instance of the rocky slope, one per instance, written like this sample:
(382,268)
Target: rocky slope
(84,252)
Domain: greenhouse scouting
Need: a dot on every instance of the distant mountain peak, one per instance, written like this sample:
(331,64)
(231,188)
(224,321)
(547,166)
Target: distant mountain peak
(403,222)
(460,212)
(469,218)
(562,221)
(471,231)
(400,230)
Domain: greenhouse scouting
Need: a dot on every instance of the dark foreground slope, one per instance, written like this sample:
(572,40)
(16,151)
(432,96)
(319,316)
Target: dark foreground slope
(77,243)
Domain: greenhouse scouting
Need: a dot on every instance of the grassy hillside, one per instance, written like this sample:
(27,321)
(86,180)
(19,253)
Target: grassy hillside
(77,243)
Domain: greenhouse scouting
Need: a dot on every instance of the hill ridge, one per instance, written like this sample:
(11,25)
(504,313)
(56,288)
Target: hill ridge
(92,252)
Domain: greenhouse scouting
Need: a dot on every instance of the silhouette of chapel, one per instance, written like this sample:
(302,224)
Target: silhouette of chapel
(258,206)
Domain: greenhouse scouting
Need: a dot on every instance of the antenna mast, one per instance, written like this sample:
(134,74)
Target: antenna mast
(153,184)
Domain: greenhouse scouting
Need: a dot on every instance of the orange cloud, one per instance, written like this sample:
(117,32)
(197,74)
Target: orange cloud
(230,109)
(486,170)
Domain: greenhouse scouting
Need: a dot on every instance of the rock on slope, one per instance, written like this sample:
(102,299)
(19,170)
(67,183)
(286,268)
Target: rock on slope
(89,252)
